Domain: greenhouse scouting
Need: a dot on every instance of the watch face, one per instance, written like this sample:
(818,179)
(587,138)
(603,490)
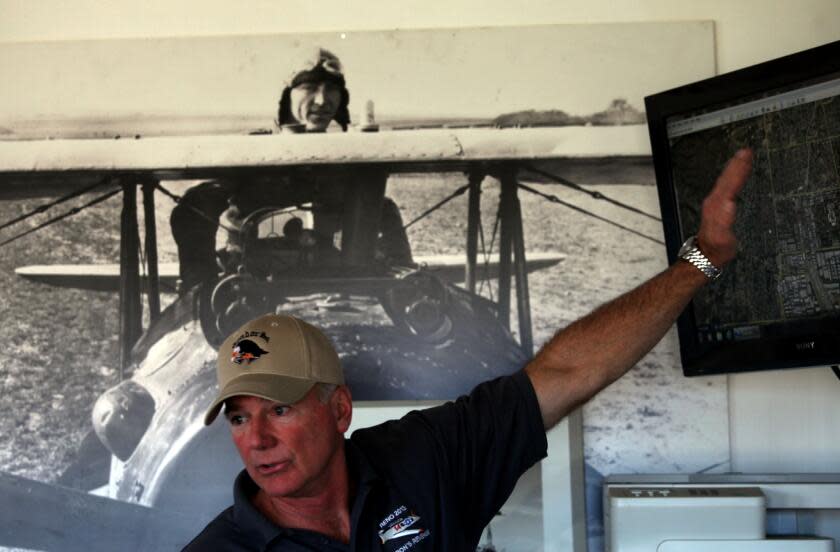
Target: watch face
(689,243)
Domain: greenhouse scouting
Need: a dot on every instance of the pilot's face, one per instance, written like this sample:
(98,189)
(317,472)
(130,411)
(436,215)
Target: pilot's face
(314,104)
(290,450)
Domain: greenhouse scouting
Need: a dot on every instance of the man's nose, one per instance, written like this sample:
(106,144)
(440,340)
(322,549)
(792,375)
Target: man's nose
(259,433)
(320,94)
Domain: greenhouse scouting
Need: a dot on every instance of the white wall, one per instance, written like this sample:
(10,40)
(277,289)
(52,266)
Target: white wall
(748,31)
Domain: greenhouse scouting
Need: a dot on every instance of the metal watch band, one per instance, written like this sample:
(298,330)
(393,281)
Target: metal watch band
(692,254)
(699,260)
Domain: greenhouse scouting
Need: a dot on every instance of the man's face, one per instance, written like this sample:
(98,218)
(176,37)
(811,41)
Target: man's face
(314,104)
(290,450)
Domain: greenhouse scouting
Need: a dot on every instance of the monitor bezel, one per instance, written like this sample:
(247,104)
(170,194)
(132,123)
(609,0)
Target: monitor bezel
(821,347)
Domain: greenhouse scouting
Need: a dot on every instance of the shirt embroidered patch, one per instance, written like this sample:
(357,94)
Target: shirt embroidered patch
(394,526)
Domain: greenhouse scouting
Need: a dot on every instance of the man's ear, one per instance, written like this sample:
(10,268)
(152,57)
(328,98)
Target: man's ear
(341,404)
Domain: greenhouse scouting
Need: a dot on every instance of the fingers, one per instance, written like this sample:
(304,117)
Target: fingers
(734,175)
(716,238)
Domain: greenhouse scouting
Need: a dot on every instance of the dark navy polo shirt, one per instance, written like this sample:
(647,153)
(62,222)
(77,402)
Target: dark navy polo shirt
(429,481)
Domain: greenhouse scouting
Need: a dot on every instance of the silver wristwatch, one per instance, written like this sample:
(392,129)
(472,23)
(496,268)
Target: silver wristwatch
(691,253)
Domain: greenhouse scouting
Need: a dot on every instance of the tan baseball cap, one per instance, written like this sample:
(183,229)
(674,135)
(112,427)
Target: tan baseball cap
(274,357)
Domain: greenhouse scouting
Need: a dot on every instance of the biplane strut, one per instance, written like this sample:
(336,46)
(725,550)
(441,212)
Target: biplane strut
(131,310)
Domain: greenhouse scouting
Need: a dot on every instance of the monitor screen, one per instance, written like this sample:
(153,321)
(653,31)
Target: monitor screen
(777,304)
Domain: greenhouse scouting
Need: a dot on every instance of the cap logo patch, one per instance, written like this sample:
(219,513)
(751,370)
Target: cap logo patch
(246,351)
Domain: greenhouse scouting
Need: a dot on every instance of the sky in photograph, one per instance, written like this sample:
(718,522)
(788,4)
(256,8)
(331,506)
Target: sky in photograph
(479,72)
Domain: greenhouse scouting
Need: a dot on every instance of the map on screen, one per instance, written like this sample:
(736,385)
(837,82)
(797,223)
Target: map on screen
(788,266)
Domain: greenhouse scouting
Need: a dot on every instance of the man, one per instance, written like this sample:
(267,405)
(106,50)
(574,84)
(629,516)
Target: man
(434,479)
(315,95)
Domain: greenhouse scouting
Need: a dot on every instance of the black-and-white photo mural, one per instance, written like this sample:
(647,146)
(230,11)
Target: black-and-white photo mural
(439,202)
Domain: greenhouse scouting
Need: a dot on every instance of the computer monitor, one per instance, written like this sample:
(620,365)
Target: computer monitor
(777,305)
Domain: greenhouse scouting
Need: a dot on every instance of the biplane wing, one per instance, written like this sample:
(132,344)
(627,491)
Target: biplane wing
(40,516)
(106,277)
(48,167)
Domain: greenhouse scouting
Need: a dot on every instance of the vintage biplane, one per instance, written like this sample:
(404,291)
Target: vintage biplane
(415,331)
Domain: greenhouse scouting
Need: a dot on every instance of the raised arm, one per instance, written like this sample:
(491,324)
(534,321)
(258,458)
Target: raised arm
(596,350)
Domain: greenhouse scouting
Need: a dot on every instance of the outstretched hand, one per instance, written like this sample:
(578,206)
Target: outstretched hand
(596,350)
(716,237)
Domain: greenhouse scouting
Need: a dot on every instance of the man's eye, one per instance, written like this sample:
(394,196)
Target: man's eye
(281,410)
(236,420)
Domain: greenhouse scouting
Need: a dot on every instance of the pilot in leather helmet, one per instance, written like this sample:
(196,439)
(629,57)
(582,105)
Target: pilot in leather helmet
(315,95)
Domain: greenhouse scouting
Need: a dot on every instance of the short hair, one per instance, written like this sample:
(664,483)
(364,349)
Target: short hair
(325,391)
